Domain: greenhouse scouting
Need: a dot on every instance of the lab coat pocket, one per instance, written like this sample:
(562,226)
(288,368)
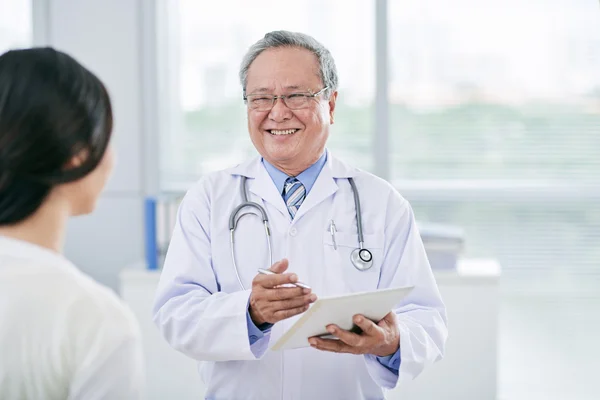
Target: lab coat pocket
(338,257)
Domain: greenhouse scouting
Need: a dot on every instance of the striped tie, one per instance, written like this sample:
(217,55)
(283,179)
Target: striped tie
(293,194)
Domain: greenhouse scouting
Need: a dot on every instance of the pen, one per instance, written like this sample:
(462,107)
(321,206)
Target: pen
(332,230)
(269,272)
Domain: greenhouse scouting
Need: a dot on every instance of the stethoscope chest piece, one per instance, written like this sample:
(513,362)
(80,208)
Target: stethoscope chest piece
(362,259)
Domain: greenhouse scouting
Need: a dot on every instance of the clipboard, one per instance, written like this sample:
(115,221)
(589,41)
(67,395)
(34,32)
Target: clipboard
(339,310)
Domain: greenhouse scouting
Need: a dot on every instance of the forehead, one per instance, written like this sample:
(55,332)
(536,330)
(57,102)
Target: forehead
(288,68)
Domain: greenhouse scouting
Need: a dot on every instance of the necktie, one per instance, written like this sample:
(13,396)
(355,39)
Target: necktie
(293,194)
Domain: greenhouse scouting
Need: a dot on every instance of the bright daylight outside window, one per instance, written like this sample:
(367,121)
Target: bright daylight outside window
(15,24)
(495,126)
(205,128)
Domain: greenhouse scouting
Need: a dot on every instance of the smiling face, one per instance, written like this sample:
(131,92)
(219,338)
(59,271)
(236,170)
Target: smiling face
(291,140)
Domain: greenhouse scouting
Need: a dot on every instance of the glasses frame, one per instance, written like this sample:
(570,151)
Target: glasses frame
(284,97)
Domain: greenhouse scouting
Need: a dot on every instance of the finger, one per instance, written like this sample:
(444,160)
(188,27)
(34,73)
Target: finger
(293,303)
(332,345)
(271,281)
(350,338)
(280,266)
(284,293)
(368,327)
(284,314)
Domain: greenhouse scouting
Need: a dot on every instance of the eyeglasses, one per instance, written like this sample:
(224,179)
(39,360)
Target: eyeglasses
(293,101)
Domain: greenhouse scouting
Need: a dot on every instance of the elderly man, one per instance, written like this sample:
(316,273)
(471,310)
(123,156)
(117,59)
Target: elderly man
(213,306)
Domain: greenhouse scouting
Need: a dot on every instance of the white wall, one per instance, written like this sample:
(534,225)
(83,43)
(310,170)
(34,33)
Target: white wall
(110,37)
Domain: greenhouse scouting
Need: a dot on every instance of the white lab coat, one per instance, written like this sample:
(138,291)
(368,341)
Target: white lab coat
(201,309)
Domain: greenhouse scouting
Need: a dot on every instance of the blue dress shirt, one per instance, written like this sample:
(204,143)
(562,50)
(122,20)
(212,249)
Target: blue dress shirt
(307,178)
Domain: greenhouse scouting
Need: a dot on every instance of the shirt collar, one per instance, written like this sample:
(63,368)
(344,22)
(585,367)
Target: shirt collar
(306,177)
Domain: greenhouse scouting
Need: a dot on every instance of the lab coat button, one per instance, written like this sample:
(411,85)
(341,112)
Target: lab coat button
(293,232)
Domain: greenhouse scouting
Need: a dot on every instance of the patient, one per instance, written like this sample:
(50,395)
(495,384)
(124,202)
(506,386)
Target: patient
(62,335)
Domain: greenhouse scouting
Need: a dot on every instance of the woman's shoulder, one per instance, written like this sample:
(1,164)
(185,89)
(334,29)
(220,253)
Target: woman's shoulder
(61,299)
(69,295)
(98,304)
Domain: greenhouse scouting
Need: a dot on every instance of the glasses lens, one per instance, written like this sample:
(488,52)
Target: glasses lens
(260,102)
(296,101)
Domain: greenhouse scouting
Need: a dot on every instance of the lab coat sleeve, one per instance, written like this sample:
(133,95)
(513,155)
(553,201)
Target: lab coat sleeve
(190,312)
(421,315)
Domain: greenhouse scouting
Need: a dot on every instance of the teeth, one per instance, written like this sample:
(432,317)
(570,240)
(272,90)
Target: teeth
(286,132)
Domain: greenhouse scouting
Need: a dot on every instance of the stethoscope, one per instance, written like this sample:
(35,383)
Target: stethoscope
(361,258)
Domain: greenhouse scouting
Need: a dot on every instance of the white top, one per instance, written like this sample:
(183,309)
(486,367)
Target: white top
(62,335)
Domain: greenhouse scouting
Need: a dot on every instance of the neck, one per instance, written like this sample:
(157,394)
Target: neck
(45,228)
(291,171)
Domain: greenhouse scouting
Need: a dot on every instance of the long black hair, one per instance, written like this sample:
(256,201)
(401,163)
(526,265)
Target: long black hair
(51,110)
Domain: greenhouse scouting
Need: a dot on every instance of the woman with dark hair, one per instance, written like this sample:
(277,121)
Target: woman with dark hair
(62,335)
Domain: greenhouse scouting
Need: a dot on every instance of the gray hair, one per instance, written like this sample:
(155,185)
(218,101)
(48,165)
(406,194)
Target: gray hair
(278,39)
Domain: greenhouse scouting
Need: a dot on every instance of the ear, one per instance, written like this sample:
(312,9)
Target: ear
(78,159)
(332,100)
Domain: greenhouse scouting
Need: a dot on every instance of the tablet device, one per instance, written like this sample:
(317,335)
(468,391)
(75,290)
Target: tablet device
(340,310)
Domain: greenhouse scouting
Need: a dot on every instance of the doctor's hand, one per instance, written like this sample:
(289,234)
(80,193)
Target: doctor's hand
(271,303)
(381,339)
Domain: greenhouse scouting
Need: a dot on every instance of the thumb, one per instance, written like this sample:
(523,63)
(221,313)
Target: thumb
(280,266)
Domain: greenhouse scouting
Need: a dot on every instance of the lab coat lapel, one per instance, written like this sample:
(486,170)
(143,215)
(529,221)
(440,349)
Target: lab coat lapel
(324,187)
(264,187)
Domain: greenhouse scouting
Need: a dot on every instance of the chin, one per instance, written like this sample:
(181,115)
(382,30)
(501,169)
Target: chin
(281,152)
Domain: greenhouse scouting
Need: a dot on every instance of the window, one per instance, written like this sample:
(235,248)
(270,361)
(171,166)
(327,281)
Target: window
(474,100)
(507,122)
(15,24)
(495,127)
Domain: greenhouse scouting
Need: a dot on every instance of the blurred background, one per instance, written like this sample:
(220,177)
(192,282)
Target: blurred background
(484,114)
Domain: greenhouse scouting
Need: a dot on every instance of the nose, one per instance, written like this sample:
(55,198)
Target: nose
(280,112)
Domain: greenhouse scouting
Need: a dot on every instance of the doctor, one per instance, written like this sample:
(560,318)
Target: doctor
(213,306)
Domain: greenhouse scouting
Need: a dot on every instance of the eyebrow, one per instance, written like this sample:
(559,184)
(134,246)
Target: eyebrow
(266,90)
